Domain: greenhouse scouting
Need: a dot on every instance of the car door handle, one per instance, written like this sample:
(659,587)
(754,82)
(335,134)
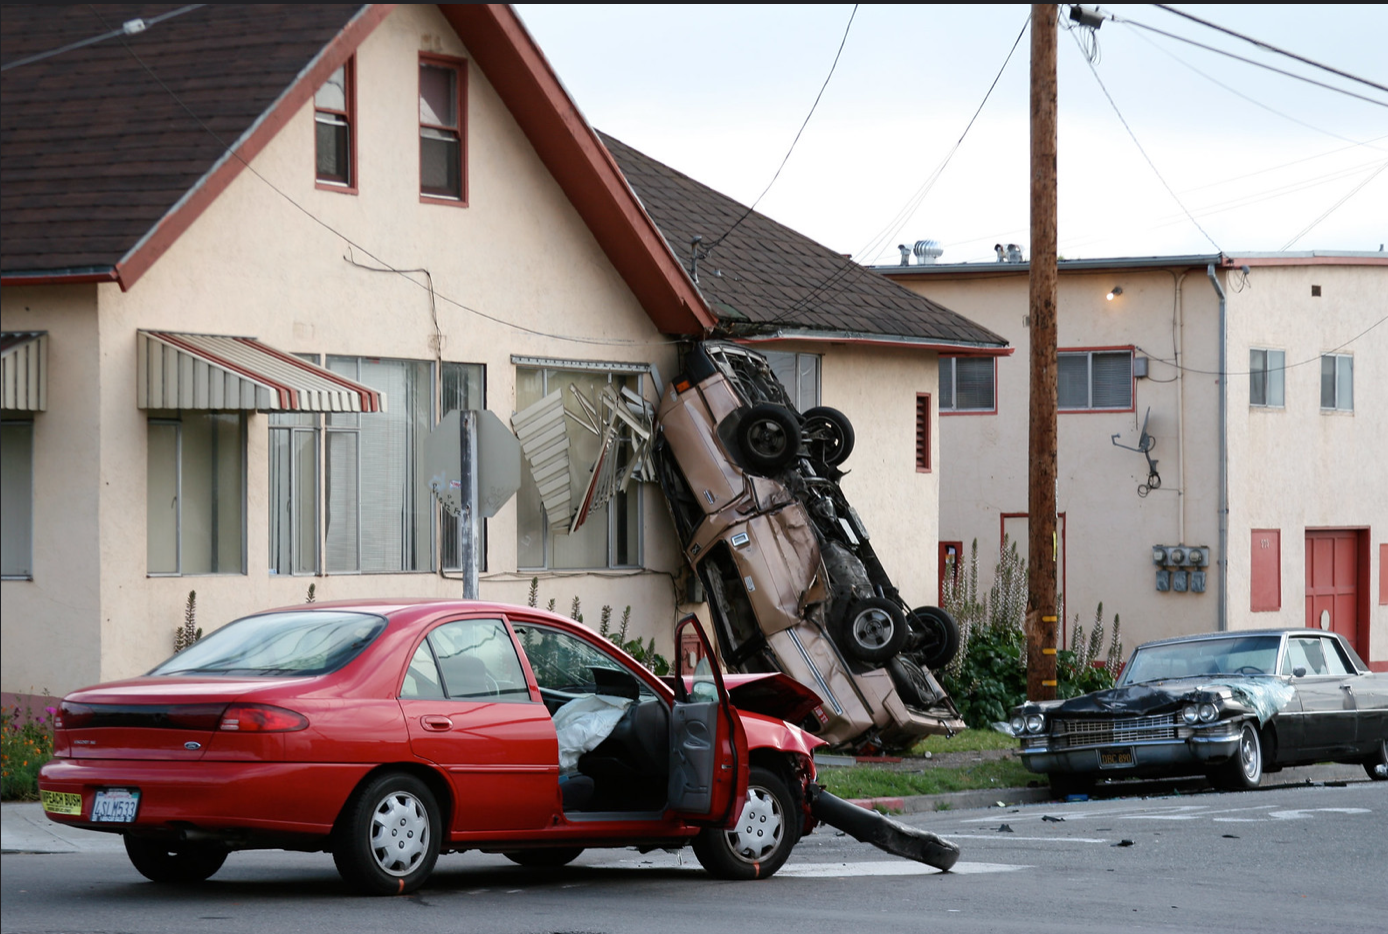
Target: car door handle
(436,723)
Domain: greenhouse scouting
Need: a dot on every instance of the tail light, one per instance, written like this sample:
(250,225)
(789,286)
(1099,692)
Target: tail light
(261,718)
(73,716)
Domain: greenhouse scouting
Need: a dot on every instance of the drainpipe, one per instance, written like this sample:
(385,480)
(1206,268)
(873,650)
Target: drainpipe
(1223,621)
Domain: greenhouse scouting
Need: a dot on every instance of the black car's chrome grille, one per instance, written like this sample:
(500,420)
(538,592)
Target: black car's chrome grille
(1065,733)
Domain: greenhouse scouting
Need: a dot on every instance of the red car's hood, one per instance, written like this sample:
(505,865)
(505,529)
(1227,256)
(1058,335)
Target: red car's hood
(770,693)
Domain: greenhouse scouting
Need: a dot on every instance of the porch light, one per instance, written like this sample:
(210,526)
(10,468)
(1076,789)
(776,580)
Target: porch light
(1114,292)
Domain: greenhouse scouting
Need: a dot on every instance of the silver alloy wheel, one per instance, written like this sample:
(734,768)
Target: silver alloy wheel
(399,833)
(872,628)
(760,829)
(1250,754)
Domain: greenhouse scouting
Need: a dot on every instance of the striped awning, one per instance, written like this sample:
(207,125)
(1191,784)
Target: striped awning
(24,371)
(203,371)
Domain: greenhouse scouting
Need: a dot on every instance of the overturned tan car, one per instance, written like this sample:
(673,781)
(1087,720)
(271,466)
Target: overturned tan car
(792,581)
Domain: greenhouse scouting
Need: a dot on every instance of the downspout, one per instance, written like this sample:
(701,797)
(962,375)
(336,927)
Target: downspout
(1178,350)
(1223,621)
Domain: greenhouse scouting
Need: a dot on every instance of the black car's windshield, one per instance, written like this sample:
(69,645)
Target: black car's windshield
(300,642)
(1236,655)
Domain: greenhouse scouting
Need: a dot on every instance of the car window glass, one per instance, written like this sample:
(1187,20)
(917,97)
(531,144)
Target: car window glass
(478,661)
(564,662)
(1306,653)
(1335,663)
(422,679)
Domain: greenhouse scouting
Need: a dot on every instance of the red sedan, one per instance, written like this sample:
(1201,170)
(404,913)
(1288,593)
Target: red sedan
(389,732)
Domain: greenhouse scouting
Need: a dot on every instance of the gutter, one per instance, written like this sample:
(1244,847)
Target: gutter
(79,275)
(1223,609)
(958,348)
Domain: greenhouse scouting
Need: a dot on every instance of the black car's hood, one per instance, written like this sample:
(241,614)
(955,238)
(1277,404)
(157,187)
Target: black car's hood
(1262,695)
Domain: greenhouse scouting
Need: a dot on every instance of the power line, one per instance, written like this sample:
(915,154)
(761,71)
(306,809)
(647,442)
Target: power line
(1289,366)
(1265,45)
(746,213)
(387,267)
(1352,192)
(131,27)
(1249,61)
(1095,72)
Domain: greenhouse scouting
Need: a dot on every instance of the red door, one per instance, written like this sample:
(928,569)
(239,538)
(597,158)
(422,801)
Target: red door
(1332,583)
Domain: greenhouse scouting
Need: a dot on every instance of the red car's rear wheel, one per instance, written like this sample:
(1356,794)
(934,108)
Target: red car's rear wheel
(388,836)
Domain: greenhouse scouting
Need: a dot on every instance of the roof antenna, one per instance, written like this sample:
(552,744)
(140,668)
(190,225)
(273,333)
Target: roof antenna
(694,257)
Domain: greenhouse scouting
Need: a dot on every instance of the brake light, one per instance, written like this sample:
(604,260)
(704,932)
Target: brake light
(261,718)
(73,716)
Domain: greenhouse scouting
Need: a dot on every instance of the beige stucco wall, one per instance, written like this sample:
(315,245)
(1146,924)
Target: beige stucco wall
(253,264)
(1297,467)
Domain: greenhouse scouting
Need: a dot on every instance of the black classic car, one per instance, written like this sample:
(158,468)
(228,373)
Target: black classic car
(1230,705)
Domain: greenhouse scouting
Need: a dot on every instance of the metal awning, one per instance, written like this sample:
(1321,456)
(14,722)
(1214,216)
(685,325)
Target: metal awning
(204,371)
(24,371)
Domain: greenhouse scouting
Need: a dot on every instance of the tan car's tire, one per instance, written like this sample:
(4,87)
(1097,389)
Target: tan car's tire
(829,435)
(940,636)
(769,437)
(873,630)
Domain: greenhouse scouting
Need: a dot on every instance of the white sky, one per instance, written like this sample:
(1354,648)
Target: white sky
(718,92)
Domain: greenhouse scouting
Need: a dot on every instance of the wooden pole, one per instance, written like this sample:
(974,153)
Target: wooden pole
(1041,506)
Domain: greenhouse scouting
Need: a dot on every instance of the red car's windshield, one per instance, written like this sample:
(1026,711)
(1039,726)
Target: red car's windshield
(301,642)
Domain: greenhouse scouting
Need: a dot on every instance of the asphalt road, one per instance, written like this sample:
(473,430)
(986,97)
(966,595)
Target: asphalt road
(1286,859)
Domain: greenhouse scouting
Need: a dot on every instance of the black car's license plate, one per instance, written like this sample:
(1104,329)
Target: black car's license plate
(1115,758)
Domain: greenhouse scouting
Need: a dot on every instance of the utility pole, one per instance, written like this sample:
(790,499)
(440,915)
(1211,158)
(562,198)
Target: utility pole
(1041,493)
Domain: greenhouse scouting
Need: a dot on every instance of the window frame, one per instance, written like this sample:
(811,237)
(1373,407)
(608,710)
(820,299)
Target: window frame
(349,86)
(7,515)
(924,461)
(1089,407)
(954,409)
(1267,371)
(459,67)
(794,390)
(311,425)
(1336,407)
(176,419)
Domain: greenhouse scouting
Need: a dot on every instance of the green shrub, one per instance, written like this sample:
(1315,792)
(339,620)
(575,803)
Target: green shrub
(26,743)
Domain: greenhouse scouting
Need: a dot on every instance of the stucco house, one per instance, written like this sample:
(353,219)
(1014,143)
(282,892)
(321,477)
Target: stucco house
(1270,477)
(251,255)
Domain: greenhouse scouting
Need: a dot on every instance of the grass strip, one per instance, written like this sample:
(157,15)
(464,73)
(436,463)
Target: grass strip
(871,782)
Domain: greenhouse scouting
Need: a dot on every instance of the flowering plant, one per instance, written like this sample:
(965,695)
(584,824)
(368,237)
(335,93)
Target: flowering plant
(26,743)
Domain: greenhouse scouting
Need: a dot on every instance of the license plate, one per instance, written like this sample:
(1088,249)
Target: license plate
(1115,758)
(116,806)
(62,802)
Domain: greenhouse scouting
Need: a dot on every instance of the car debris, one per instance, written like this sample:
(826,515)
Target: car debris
(882,832)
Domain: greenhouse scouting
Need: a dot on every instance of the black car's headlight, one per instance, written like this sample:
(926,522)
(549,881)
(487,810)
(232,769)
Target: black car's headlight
(1190,713)
(1035,723)
(1018,724)
(1208,713)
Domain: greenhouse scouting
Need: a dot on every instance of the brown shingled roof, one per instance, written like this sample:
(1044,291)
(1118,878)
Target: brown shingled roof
(93,152)
(766,276)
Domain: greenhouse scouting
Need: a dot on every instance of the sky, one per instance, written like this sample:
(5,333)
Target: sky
(1255,158)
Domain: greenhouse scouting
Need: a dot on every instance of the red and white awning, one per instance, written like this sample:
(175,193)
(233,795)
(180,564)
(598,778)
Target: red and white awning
(203,371)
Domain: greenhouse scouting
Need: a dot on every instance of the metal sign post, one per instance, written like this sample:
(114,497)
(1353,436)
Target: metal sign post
(469,522)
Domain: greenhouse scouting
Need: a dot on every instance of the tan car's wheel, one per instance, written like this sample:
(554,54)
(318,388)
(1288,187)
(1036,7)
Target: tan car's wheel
(769,437)
(873,630)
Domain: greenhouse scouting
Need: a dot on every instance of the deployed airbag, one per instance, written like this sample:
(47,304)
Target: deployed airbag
(583,723)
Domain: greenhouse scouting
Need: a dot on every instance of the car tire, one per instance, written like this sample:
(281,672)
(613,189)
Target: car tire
(548,858)
(940,642)
(1065,784)
(1377,766)
(760,842)
(174,863)
(1244,770)
(387,838)
(873,630)
(769,437)
(911,684)
(829,435)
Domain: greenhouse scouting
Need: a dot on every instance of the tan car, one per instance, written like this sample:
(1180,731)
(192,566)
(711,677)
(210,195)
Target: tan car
(793,584)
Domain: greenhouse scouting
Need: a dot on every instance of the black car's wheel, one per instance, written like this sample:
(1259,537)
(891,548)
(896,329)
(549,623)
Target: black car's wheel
(769,437)
(1244,770)
(761,840)
(940,636)
(1377,766)
(548,858)
(911,683)
(873,630)
(388,836)
(174,863)
(1065,784)
(828,435)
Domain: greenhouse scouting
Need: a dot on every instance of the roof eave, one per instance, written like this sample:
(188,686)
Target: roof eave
(865,339)
(79,275)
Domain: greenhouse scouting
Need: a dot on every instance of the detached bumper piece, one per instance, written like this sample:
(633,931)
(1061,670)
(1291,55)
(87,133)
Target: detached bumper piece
(883,832)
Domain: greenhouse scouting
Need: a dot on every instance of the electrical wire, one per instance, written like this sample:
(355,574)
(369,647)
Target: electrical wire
(1095,72)
(1249,61)
(1350,194)
(1268,46)
(1289,366)
(387,267)
(745,214)
(132,27)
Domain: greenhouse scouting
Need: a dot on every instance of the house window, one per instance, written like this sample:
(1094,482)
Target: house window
(1266,374)
(442,116)
(17,500)
(611,536)
(196,494)
(799,373)
(967,384)
(1337,382)
(1094,380)
(334,112)
(922,432)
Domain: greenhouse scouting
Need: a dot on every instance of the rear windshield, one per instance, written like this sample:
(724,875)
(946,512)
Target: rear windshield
(301,642)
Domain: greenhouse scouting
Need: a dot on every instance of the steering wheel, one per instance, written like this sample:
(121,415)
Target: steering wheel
(492,687)
(1249,670)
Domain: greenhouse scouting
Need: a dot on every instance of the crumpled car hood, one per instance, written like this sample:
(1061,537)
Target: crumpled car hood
(1263,696)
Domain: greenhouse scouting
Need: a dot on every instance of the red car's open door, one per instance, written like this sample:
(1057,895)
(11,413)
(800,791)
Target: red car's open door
(708,747)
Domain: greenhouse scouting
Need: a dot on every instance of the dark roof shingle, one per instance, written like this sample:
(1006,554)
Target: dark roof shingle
(765,276)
